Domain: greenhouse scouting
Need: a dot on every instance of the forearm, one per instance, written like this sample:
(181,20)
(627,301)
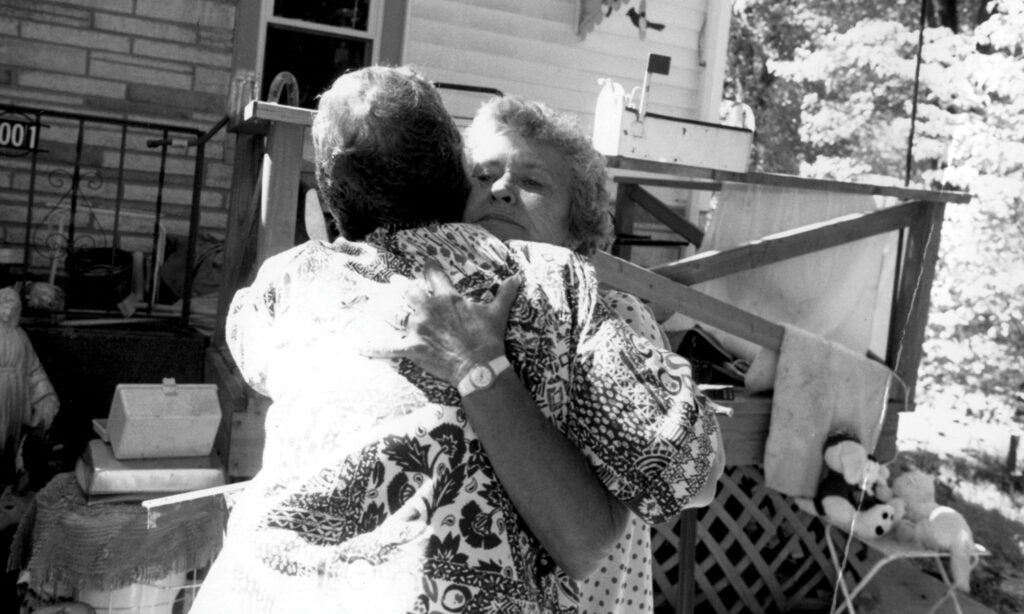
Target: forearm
(547,478)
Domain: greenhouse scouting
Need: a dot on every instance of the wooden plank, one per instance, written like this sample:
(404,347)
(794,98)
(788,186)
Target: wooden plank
(789,181)
(282,164)
(666,216)
(666,293)
(248,437)
(789,244)
(910,313)
(625,218)
(663,182)
(219,369)
(279,113)
(744,433)
(241,227)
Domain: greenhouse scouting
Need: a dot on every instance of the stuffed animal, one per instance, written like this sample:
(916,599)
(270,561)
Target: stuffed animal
(935,526)
(846,493)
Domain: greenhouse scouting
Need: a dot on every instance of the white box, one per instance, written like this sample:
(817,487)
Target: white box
(163,420)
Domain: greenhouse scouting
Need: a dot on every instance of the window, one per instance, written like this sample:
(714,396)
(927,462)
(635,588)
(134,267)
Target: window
(318,40)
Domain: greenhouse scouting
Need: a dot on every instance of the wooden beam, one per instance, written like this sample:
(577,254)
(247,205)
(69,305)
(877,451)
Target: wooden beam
(910,315)
(663,292)
(282,164)
(789,244)
(789,181)
(663,214)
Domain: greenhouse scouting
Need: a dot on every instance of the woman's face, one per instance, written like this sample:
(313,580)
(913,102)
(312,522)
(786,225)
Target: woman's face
(520,190)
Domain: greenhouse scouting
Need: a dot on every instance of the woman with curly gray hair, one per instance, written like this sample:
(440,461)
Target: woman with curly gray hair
(539,178)
(547,181)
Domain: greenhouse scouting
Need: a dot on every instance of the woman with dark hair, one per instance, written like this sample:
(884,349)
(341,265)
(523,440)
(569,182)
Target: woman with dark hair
(396,486)
(403,116)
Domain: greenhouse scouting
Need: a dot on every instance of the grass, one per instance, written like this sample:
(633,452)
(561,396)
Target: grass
(968,460)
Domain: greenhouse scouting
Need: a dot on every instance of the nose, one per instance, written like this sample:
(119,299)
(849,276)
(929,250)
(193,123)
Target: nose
(502,191)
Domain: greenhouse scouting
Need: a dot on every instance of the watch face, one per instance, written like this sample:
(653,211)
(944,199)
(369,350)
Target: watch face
(480,376)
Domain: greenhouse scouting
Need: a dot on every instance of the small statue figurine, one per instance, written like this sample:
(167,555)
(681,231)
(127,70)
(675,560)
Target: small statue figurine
(27,398)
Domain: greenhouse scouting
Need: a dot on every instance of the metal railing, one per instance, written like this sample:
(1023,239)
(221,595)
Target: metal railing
(87,190)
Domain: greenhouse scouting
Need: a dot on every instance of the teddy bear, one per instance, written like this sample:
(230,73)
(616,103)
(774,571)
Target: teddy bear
(854,492)
(935,526)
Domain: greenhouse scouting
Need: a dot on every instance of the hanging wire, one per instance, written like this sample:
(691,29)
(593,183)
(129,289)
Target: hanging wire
(917,84)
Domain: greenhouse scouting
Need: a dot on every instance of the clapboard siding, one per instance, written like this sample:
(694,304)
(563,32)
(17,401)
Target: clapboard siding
(531,48)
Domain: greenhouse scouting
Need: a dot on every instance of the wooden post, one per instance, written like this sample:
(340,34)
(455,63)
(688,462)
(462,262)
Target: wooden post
(910,316)
(624,217)
(687,560)
(1011,457)
(282,164)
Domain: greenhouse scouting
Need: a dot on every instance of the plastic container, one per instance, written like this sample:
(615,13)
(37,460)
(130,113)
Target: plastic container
(163,420)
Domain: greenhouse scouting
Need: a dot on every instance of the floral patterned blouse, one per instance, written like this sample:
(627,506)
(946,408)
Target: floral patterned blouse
(375,494)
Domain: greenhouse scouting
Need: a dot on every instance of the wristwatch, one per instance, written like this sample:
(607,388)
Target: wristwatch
(481,376)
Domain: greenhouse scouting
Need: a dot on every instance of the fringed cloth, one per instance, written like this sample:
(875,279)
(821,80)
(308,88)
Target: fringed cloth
(62,540)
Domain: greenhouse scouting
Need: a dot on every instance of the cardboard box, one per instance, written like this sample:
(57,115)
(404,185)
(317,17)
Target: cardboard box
(100,473)
(163,420)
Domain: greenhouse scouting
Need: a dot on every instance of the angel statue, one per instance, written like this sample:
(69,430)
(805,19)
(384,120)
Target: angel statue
(27,398)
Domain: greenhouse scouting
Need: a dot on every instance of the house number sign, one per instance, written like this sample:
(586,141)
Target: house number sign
(17,135)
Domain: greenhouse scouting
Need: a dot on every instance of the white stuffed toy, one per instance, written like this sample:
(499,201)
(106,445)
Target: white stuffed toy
(848,494)
(935,526)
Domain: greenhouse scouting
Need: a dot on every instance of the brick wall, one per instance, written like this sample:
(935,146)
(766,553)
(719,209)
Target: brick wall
(158,61)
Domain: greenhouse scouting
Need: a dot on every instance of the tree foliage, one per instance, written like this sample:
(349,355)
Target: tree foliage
(832,86)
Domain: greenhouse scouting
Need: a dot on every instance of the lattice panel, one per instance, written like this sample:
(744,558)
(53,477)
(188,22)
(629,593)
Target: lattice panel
(756,552)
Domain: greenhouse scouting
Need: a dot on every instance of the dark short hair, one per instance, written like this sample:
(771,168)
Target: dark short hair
(590,220)
(387,152)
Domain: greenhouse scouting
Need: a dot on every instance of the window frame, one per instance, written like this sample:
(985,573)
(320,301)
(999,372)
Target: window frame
(373,33)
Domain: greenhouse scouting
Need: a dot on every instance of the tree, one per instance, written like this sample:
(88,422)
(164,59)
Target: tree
(834,82)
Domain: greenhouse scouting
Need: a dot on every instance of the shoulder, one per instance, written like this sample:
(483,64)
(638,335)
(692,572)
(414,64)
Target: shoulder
(636,314)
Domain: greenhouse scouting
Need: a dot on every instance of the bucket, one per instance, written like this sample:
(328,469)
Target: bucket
(153,598)
(98,277)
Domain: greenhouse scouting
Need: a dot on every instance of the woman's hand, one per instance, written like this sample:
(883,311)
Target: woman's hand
(446,334)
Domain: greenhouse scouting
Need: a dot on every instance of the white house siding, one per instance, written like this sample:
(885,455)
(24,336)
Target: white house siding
(531,48)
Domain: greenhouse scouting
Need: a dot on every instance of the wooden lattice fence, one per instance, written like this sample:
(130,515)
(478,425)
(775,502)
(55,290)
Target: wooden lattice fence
(756,552)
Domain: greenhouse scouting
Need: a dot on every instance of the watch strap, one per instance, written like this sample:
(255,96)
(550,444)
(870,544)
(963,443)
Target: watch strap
(496,367)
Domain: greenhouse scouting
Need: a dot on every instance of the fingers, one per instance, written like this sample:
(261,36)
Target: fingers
(402,348)
(506,295)
(437,280)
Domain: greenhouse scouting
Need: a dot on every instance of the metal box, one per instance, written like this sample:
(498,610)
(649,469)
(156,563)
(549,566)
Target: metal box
(163,420)
(99,473)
